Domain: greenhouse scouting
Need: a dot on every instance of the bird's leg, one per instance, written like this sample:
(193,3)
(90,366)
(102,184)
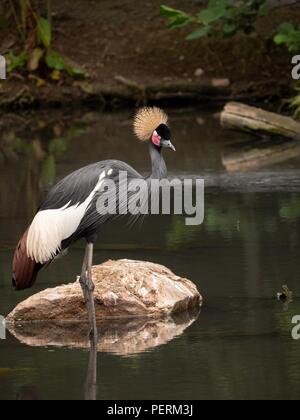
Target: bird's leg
(91,288)
(88,288)
(91,378)
(83,276)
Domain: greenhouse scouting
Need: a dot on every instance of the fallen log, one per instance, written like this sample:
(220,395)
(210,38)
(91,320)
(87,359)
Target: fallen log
(117,94)
(243,117)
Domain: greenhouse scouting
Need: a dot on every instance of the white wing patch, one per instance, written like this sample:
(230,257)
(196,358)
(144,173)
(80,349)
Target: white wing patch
(50,227)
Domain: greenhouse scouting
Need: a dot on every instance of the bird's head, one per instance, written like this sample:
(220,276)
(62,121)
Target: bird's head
(151,124)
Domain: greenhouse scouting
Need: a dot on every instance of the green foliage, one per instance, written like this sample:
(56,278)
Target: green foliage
(56,62)
(45,32)
(48,170)
(176,18)
(40,54)
(16,62)
(220,18)
(75,72)
(223,18)
(3,23)
(289,36)
(290,209)
(294,105)
(58,146)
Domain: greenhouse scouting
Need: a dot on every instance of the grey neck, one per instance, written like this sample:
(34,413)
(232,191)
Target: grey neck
(159,168)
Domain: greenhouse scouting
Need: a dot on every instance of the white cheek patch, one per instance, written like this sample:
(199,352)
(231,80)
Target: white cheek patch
(50,227)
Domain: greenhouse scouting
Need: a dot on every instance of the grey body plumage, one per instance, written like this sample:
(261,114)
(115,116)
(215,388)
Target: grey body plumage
(69,211)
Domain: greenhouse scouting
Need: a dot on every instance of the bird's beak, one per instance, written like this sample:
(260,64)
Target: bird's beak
(168,145)
(172,147)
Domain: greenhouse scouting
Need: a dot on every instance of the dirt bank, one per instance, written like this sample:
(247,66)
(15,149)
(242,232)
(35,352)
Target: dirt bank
(110,39)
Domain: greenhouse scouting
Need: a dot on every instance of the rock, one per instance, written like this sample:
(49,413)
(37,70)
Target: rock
(86,87)
(123,289)
(122,337)
(218,83)
(199,72)
(200,120)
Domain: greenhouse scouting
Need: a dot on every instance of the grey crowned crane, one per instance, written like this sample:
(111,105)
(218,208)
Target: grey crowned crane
(69,212)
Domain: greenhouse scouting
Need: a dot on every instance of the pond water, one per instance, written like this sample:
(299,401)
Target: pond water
(240,345)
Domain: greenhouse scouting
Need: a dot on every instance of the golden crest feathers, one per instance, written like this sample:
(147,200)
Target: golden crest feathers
(147,120)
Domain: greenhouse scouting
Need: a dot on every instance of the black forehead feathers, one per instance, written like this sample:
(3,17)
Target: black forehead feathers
(164,131)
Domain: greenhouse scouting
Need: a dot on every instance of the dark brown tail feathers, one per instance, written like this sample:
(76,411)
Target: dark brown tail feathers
(25,270)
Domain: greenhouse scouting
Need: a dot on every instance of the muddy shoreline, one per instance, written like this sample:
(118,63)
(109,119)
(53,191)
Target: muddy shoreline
(131,58)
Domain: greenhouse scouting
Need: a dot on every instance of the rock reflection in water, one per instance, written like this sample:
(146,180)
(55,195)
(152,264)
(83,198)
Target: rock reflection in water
(122,337)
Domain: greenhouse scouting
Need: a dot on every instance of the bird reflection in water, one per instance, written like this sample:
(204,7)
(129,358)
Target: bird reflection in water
(90,390)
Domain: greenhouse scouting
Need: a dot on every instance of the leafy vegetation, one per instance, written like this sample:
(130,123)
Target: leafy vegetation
(294,104)
(290,209)
(224,18)
(36,33)
(220,18)
(289,36)
(44,152)
(16,62)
